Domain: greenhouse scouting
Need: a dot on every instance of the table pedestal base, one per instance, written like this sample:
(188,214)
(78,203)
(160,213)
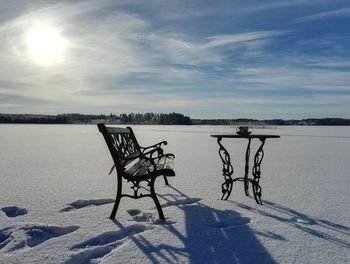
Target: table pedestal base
(227,171)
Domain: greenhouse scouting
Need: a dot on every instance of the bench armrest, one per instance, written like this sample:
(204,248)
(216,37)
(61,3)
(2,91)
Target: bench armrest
(152,151)
(158,145)
(168,155)
(156,148)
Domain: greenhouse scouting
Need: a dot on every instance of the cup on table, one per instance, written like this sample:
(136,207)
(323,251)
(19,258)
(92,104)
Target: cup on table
(242,130)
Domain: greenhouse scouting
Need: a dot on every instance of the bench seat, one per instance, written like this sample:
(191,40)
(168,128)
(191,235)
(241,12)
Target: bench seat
(142,168)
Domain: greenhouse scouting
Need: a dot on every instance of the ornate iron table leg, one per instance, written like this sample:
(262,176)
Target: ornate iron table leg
(227,171)
(257,172)
(246,169)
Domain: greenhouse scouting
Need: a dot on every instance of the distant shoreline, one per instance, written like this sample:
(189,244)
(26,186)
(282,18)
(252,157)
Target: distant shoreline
(161,119)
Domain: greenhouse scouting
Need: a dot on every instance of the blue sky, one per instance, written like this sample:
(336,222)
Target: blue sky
(206,59)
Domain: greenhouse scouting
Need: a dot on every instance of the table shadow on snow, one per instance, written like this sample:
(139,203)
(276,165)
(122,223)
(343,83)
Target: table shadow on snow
(212,236)
(302,222)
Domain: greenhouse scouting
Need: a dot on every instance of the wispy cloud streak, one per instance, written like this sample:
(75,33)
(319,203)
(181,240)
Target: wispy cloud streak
(337,13)
(220,40)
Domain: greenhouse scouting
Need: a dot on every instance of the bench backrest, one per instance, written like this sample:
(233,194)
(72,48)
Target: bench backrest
(121,143)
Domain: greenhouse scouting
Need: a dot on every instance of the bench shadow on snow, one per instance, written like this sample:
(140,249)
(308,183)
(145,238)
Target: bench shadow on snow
(212,236)
(302,222)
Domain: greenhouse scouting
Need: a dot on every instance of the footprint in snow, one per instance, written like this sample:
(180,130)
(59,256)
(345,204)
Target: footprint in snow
(4,237)
(181,202)
(14,211)
(148,217)
(84,203)
(142,217)
(152,217)
(101,245)
(30,235)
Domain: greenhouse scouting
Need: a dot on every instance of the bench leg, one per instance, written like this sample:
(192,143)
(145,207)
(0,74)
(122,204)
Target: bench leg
(156,201)
(117,199)
(115,207)
(166,180)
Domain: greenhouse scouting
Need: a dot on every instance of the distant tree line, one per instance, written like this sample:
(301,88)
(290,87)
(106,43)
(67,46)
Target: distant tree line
(161,119)
(151,119)
(31,119)
(275,122)
(131,118)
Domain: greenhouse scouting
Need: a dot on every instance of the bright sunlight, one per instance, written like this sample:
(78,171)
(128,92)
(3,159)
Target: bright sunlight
(45,44)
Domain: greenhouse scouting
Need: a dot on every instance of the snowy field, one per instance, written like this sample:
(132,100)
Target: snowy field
(56,197)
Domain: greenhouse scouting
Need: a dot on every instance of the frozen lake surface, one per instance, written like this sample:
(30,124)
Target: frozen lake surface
(56,197)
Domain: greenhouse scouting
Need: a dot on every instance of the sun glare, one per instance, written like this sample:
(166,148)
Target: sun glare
(45,44)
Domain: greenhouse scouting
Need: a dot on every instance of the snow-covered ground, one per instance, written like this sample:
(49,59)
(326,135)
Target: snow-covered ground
(56,197)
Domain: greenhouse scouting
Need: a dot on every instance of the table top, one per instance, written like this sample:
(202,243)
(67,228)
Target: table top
(245,136)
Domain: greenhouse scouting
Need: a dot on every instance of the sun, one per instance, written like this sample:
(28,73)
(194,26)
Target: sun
(45,44)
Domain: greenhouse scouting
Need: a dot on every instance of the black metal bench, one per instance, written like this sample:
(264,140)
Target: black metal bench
(136,164)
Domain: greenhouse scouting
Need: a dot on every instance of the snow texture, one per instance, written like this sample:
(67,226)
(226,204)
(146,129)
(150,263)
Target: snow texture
(56,198)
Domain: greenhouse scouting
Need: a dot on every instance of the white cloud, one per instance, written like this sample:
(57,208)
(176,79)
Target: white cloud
(221,40)
(342,12)
(310,101)
(117,45)
(265,5)
(297,78)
